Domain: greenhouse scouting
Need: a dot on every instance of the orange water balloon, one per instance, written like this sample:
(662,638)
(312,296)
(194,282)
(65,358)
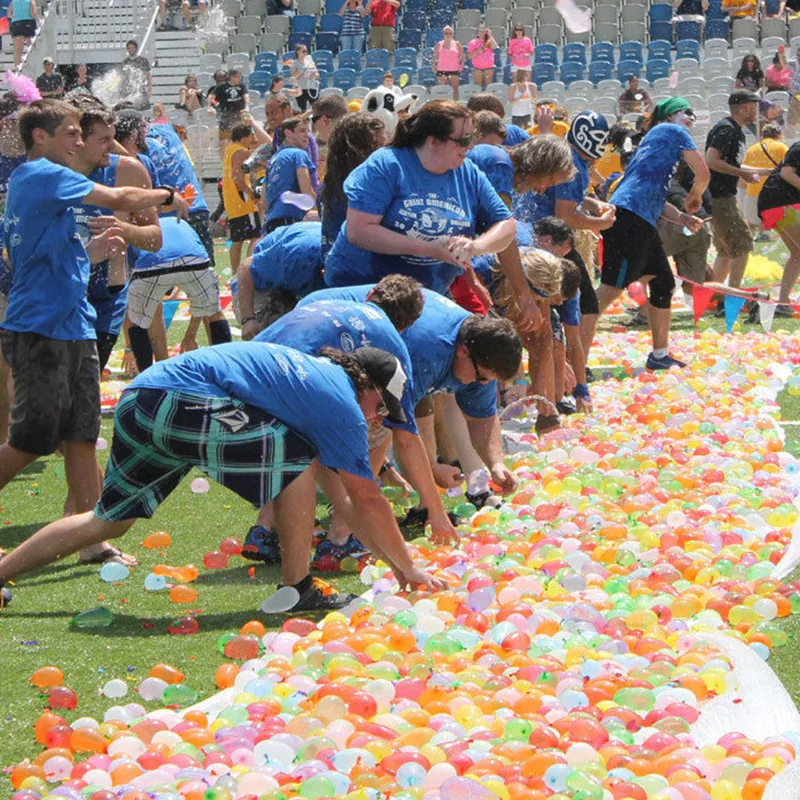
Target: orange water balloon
(45,677)
(157,540)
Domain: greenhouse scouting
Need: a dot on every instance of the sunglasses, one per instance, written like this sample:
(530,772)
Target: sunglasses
(382,410)
(462,141)
(479,376)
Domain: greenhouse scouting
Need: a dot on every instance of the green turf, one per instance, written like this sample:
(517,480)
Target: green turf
(36,631)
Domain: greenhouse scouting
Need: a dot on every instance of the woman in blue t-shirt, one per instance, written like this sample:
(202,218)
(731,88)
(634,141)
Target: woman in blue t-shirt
(416,206)
(289,177)
(353,139)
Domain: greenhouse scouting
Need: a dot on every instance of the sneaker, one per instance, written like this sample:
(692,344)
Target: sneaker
(328,556)
(321,596)
(666,362)
(753,312)
(5,597)
(590,376)
(261,544)
(483,499)
(784,311)
(546,423)
(636,321)
(566,405)
(418,517)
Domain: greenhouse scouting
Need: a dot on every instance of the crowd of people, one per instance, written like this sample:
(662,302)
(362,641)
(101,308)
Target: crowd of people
(392,269)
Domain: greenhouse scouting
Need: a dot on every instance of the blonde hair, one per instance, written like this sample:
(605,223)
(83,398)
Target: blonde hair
(544,272)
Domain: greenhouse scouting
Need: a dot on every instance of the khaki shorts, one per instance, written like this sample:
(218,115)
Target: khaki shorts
(732,236)
(690,252)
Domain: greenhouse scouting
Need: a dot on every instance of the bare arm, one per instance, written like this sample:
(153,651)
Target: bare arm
(129,198)
(790,176)
(702,176)
(567,210)
(34,12)
(250,328)
(304,182)
(484,433)
(239,178)
(262,137)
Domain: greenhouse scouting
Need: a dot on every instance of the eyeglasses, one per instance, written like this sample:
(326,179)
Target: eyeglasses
(316,118)
(479,376)
(519,30)
(462,141)
(382,410)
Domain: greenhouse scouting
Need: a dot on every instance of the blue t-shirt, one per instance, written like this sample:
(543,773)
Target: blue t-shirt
(148,164)
(282,177)
(179,241)
(643,188)
(174,165)
(333,217)
(311,395)
(48,260)
(515,135)
(346,326)
(569,312)
(393,183)
(495,163)
(484,265)
(431,343)
(289,258)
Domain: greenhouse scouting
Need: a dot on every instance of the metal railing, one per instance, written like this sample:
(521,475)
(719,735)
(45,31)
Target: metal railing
(42,44)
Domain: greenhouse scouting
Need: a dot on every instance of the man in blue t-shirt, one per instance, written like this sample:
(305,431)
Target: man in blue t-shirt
(255,417)
(453,351)
(48,334)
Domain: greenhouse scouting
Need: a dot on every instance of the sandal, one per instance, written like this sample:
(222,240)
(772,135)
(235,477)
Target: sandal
(109,555)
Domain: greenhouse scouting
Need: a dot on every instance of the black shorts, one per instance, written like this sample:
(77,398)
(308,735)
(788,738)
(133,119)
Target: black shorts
(446,74)
(242,229)
(588,299)
(279,222)
(556,326)
(56,391)
(23,27)
(632,250)
(105,347)
(199,221)
(160,435)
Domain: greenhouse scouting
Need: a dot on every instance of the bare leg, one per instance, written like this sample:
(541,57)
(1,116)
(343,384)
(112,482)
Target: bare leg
(12,462)
(158,337)
(588,328)
(722,268)
(659,319)
(444,446)
(459,433)
(737,267)
(559,362)
(236,255)
(294,513)
(791,270)
(6,398)
(455,82)
(606,295)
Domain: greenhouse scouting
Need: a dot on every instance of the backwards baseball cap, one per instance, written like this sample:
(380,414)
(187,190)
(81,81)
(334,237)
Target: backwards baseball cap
(48,60)
(387,374)
(670,105)
(742,97)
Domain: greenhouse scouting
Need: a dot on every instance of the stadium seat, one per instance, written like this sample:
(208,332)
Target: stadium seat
(324,60)
(405,57)
(372,77)
(717,101)
(410,37)
(545,54)
(773,27)
(210,62)
(659,49)
(444,92)
(523,16)
(634,32)
(603,51)
(426,57)
(377,57)
(248,24)
(610,87)
(504,4)
(632,12)
(661,30)
(631,51)
(605,105)
(575,105)
(331,90)
(769,46)
(742,47)
(433,37)
(266,62)
(304,23)
(548,34)
(657,68)
(743,28)
(277,23)
(550,16)
(472,4)
(231,8)
(600,71)
(244,43)
(350,59)
(258,8)
(713,67)
(296,38)
(554,90)
(606,13)
(606,32)
(661,12)
(574,52)
(468,17)
(327,40)
(543,72)
(661,85)
(330,22)
(715,29)
(689,30)
(571,72)
(685,66)
(357,92)
(794,27)
(426,76)
(310,7)
(687,48)
(694,84)
(409,72)
(627,67)
(344,78)
(496,19)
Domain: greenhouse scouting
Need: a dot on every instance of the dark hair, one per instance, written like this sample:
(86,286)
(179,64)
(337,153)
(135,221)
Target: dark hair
(487,122)
(93,114)
(132,42)
(46,114)
(354,370)
(276,79)
(570,279)
(232,72)
(755,73)
(483,101)
(331,106)
(435,118)
(493,343)
(555,228)
(188,78)
(281,99)
(8,104)
(771,131)
(219,72)
(617,134)
(351,141)
(400,298)
(288,125)
(241,131)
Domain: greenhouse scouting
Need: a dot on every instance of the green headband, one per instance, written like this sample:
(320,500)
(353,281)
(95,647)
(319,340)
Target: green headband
(669,106)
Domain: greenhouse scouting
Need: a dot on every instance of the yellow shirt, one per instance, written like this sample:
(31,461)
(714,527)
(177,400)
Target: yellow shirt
(756,157)
(734,8)
(559,128)
(235,205)
(608,163)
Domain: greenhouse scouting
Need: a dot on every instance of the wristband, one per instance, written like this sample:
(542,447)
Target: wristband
(171,199)
(581,391)
(386,466)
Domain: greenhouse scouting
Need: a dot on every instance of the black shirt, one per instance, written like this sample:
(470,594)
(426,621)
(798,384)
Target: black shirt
(50,83)
(776,192)
(728,137)
(230,99)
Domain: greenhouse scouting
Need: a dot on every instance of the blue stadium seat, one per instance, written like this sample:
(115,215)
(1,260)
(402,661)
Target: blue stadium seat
(330,22)
(715,29)
(659,49)
(690,30)
(405,57)
(628,67)
(323,59)
(426,77)
(715,11)
(304,23)
(378,57)
(266,62)
(296,38)
(333,6)
(602,51)
(415,6)
(350,59)
(426,56)
(571,72)
(687,48)
(439,17)
(323,78)
(545,54)
(661,12)
(574,52)
(372,77)
(259,81)
(543,72)
(410,37)
(631,51)
(433,37)
(472,4)
(345,79)
(327,40)
(657,68)
(400,71)
(661,30)
(600,71)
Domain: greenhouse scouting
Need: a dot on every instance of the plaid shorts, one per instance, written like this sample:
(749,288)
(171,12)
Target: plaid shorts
(159,435)
(147,291)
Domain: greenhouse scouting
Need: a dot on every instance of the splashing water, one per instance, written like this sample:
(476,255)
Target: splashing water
(213,26)
(123,84)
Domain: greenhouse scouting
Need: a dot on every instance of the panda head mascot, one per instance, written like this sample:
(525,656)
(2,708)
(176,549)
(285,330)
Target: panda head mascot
(386,105)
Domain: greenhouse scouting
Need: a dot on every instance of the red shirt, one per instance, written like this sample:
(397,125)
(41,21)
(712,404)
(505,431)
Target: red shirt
(383,13)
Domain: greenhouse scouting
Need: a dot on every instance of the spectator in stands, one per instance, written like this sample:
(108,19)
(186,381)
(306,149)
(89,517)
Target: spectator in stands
(520,49)
(137,80)
(351,37)
(767,153)
(22,18)
(690,11)
(388,84)
(773,9)
(484,101)
(228,100)
(160,114)
(80,83)
(305,76)
(324,113)
(778,76)
(240,205)
(448,61)
(286,8)
(725,147)
(521,96)
(546,120)
(740,9)
(794,95)
(634,100)
(750,75)
(50,83)
(190,98)
(481,52)
(185,7)
(384,20)
(278,86)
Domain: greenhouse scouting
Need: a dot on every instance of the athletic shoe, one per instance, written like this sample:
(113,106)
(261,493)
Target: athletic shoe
(482,499)
(328,556)
(321,596)
(566,405)
(5,597)
(666,362)
(636,321)
(418,517)
(590,376)
(784,311)
(545,423)
(261,544)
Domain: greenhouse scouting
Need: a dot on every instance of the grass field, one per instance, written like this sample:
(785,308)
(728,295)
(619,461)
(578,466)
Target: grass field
(36,631)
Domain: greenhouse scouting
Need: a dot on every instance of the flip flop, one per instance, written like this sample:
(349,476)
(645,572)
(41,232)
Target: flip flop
(111,555)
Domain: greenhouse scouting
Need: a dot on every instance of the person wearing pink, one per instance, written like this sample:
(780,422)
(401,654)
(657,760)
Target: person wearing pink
(481,52)
(448,61)
(520,49)
(778,75)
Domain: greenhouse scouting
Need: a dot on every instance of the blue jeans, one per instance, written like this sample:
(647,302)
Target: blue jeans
(351,41)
